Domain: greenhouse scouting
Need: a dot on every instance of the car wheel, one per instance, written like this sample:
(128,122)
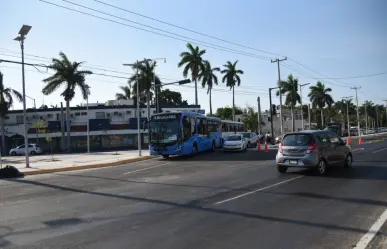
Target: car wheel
(322,167)
(33,153)
(213,146)
(282,169)
(13,153)
(165,156)
(194,149)
(348,161)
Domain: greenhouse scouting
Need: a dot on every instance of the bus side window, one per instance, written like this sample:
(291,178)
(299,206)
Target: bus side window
(186,128)
(193,126)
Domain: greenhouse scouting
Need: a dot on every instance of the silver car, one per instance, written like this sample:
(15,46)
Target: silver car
(235,142)
(313,149)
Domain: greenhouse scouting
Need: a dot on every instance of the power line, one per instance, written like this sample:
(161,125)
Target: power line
(186,29)
(217,47)
(355,77)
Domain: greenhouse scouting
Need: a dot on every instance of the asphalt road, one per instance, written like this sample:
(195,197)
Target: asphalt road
(214,200)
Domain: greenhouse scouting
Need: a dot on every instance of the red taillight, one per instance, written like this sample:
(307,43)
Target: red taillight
(280,148)
(311,148)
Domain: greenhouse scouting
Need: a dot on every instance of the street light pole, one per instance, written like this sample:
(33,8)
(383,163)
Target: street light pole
(302,110)
(271,115)
(357,107)
(36,128)
(259,116)
(156,87)
(135,66)
(22,33)
(349,130)
(88,121)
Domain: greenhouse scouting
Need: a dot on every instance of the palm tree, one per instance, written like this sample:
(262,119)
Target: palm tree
(125,94)
(6,102)
(193,62)
(208,77)
(146,75)
(67,74)
(320,97)
(290,88)
(231,77)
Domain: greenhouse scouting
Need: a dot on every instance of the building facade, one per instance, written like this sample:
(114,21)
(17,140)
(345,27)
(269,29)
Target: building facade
(111,125)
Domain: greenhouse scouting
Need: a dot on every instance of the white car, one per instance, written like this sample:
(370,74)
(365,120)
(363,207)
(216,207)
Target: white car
(251,138)
(32,149)
(235,142)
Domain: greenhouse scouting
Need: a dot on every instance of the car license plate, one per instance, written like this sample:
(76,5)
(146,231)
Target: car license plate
(293,162)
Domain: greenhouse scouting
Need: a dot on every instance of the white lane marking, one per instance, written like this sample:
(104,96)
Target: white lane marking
(138,170)
(258,190)
(357,149)
(376,151)
(366,239)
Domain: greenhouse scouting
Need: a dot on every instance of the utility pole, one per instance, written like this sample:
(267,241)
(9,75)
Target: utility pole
(279,84)
(259,116)
(386,111)
(271,115)
(302,109)
(310,126)
(357,108)
(377,119)
(366,118)
(348,125)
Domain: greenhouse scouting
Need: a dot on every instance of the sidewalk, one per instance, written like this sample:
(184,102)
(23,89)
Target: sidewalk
(64,162)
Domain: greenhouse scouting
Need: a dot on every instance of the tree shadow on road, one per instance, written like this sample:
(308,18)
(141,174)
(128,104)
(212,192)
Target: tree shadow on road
(196,207)
(220,156)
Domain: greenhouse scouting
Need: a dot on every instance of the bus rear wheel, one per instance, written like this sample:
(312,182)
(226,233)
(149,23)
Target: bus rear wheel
(194,149)
(165,156)
(213,146)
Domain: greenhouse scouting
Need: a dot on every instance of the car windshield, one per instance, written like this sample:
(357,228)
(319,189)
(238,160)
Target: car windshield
(233,138)
(246,135)
(297,140)
(164,131)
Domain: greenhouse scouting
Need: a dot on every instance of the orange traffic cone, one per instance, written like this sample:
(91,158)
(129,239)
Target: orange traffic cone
(348,140)
(266,148)
(258,146)
(360,140)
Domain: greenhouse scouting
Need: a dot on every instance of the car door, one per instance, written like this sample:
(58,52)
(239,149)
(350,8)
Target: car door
(254,138)
(30,148)
(20,150)
(340,149)
(325,147)
(336,150)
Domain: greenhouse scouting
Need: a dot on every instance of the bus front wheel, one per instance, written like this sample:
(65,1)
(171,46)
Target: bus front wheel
(165,156)
(194,149)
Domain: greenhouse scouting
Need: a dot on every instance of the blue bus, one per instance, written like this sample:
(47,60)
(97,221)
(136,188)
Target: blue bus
(183,133)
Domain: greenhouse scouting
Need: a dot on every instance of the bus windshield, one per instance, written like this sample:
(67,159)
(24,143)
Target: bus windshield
(164,131)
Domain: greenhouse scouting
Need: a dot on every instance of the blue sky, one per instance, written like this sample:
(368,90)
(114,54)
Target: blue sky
(337,38)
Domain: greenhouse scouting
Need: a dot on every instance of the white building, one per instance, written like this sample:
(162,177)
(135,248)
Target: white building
(113,124)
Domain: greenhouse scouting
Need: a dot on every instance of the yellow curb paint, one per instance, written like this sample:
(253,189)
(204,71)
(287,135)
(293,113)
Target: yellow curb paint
(91,166)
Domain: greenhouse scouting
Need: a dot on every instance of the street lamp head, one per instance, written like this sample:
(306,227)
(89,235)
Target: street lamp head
(24,30)
(19,38)
(186,81)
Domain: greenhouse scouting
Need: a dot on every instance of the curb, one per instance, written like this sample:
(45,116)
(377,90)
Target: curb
(91,166)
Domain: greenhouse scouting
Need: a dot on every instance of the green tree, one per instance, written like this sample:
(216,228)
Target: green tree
(192,61)
(125,94)
(250,119)
(232,78)
(171,98)
(67,74)
(290,88)
(319,97)
(145,77)
(6,101)
(208,78)
(225,113)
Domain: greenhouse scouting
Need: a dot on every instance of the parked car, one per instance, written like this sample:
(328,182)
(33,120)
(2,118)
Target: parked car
(313,149)
(32,149)
(235,142)
(251,138)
